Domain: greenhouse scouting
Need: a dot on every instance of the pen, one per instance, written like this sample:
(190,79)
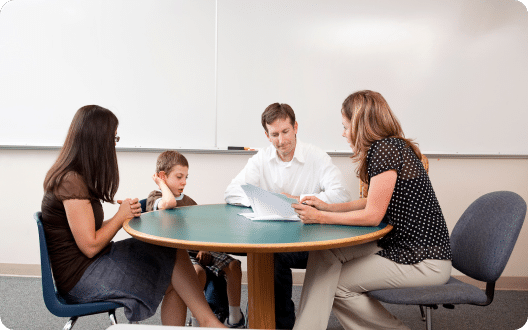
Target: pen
(239,148)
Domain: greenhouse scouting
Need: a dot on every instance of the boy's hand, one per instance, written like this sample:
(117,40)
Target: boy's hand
(204,258)
(159,181)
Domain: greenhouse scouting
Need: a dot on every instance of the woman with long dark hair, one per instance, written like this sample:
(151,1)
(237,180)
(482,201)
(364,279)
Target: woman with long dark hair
(87,266)
(415,253)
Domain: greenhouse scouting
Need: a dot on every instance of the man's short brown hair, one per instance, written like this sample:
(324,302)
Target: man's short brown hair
(277,111)
(168,159)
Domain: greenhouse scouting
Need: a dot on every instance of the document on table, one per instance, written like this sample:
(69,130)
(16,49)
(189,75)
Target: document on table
(269,206)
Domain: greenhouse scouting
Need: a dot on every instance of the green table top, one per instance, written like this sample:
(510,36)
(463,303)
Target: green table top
(219,227)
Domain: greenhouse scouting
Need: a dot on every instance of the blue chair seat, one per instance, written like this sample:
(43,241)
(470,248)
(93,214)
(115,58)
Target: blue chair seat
(59,307)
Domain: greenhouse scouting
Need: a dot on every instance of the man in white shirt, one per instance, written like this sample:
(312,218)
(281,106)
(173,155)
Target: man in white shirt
(293,168)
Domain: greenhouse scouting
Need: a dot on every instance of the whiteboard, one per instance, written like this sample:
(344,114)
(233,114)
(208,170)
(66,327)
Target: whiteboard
(454,72)
(151,62)
(188,74)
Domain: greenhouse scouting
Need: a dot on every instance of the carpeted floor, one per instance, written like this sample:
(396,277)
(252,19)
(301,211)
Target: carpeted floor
(22,307)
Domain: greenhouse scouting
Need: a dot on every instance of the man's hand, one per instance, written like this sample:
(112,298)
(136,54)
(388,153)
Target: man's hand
(290,196)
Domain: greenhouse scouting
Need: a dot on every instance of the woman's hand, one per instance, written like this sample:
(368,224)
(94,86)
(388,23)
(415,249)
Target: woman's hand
(129,208)
(204,258)
(315,202)
(307,214)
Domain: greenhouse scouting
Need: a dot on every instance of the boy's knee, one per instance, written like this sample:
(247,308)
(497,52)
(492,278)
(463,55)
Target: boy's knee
(199,271)
(202,276)
(235,267)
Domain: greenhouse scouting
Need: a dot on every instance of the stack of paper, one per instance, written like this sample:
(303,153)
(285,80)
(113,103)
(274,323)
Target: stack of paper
(269,206)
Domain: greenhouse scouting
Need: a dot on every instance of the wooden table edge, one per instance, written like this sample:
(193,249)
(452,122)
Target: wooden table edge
(256,248)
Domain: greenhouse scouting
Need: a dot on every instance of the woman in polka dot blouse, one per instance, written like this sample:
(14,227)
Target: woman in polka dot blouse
(415,253)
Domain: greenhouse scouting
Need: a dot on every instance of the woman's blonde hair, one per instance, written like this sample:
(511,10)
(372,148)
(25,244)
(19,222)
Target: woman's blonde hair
(371,119)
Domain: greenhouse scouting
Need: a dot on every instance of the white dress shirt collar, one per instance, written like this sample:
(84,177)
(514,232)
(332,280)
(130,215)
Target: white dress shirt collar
(299,154)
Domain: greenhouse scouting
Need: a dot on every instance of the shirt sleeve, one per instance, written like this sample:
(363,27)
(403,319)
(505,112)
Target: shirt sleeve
(331,181)
(384,156)
(153,200)
(186,201)
(234,194)
(72,186)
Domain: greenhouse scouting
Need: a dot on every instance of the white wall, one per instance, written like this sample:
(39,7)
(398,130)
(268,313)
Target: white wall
(457,183)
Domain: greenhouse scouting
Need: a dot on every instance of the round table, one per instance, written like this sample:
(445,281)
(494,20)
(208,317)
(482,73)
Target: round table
(219,227)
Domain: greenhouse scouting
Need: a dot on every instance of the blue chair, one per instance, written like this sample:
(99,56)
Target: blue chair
(54,302)
(481,243)
(143,203)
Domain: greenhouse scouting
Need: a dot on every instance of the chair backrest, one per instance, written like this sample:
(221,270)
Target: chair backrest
(363,187)
(54,302)
(143,203)
(52,299)
(484,236)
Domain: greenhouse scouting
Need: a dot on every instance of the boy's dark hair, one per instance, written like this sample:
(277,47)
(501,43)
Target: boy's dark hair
(168,159)
(277,111)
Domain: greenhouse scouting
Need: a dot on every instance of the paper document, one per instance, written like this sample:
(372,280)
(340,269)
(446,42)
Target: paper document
(269,206)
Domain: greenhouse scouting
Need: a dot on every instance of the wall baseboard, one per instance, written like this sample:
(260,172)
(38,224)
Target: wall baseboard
(29,270)
(515,283)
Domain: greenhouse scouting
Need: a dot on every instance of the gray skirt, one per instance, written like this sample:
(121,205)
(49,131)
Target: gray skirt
(133,273)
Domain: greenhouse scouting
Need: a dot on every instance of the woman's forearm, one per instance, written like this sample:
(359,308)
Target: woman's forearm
(82,224)
(351,218)
(107,232)
(349,206)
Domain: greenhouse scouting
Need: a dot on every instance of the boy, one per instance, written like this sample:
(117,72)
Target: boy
(171,177)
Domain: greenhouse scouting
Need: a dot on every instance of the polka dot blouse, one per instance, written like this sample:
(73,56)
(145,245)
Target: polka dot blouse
(420,230)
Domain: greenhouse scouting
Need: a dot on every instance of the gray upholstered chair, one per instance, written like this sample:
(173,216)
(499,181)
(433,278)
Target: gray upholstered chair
(481,242)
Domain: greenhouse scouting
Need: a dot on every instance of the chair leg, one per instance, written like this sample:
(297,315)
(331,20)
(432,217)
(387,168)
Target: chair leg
(428,318)
(422,312)
(246,316)
(70,323)
(111,315)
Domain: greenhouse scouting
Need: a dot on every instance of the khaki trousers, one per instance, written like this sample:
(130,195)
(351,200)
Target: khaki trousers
(338,279)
